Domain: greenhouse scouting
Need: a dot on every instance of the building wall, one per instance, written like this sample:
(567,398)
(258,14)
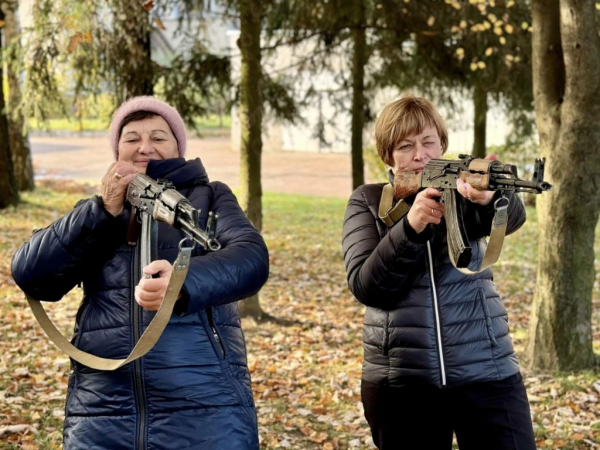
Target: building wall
(336,125)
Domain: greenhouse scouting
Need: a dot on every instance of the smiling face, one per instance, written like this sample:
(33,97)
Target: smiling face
(414,151)
(144,140)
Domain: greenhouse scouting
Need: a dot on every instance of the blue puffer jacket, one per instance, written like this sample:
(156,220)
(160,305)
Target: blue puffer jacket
(192,390)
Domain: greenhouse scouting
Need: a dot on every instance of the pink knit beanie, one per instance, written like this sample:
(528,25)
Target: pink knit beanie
(147,103)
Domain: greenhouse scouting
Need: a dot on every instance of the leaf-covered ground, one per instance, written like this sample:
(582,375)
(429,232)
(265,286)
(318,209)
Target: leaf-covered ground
(306,365)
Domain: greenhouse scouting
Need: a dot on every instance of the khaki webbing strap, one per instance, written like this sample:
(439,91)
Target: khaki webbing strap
(391,214)
(148,338)
(494,247)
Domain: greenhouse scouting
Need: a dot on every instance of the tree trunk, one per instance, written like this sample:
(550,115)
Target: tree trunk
(480,122)
(19,142)
(9,194)
(566,63)
(359,60)
(251,112)
(132,28)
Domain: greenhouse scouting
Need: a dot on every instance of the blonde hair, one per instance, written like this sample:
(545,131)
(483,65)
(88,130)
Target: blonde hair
(403,117)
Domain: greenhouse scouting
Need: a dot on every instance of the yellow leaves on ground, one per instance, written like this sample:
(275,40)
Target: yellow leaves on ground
(430,21)
(489,51)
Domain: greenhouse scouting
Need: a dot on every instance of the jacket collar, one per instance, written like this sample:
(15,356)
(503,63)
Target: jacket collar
(182,173)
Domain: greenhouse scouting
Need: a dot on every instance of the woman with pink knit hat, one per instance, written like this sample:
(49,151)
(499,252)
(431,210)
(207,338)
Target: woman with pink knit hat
(192,390)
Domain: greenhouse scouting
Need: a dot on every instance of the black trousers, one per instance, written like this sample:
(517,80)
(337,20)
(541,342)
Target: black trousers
(485,416)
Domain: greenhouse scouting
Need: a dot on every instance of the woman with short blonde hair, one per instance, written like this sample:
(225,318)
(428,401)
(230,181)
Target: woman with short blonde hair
(438,358)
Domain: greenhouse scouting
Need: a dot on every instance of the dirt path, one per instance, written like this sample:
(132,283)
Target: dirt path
(86,159)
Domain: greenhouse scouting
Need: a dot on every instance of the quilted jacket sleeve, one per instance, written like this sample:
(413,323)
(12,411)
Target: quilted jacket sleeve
(54,259)
(238,270)
(377,269)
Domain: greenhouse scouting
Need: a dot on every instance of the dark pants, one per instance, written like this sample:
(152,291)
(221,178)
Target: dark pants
(491,416)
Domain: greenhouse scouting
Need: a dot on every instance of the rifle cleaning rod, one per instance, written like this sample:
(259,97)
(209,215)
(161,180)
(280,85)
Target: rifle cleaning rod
(536,185)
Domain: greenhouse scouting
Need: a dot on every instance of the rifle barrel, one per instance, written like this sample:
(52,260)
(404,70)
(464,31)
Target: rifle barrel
(538,186)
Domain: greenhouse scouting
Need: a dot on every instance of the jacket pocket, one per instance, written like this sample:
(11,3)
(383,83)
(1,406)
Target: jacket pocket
(214,335)
(71,386)
(488,319)
(385,345)
(80,318)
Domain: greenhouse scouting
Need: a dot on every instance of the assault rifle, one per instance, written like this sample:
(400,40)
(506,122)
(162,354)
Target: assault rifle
(482,174)
(153,201)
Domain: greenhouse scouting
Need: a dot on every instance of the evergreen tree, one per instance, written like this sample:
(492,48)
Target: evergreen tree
(106,47)
(480,49)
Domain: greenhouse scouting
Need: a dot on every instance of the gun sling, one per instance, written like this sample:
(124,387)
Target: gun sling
(148,338)
(391,214)
(388,212)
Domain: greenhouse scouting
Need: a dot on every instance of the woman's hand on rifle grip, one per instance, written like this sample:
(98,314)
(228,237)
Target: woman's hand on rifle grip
(150,292)
(425,210)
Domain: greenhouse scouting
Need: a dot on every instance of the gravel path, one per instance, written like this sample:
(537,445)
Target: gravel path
(86,159)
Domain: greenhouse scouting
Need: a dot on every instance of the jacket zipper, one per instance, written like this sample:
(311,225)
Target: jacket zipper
(137,367)
(386,335)
(437,316)
(84,312)
(209,315)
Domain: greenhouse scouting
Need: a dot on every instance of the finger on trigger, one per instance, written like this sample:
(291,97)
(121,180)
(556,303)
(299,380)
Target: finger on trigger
(154,267)
(153,284)
(432,192)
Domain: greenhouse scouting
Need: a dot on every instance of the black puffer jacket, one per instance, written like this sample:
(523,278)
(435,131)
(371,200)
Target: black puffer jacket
(192,390)
(401,275)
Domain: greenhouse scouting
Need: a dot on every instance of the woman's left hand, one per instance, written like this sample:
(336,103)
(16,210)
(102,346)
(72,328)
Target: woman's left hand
(150,292)
(475,195)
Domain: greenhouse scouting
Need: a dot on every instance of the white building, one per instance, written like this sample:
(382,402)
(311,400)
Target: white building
(325,117)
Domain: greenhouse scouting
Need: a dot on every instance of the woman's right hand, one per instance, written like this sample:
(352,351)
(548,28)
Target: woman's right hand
(425,210)
(114,185)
